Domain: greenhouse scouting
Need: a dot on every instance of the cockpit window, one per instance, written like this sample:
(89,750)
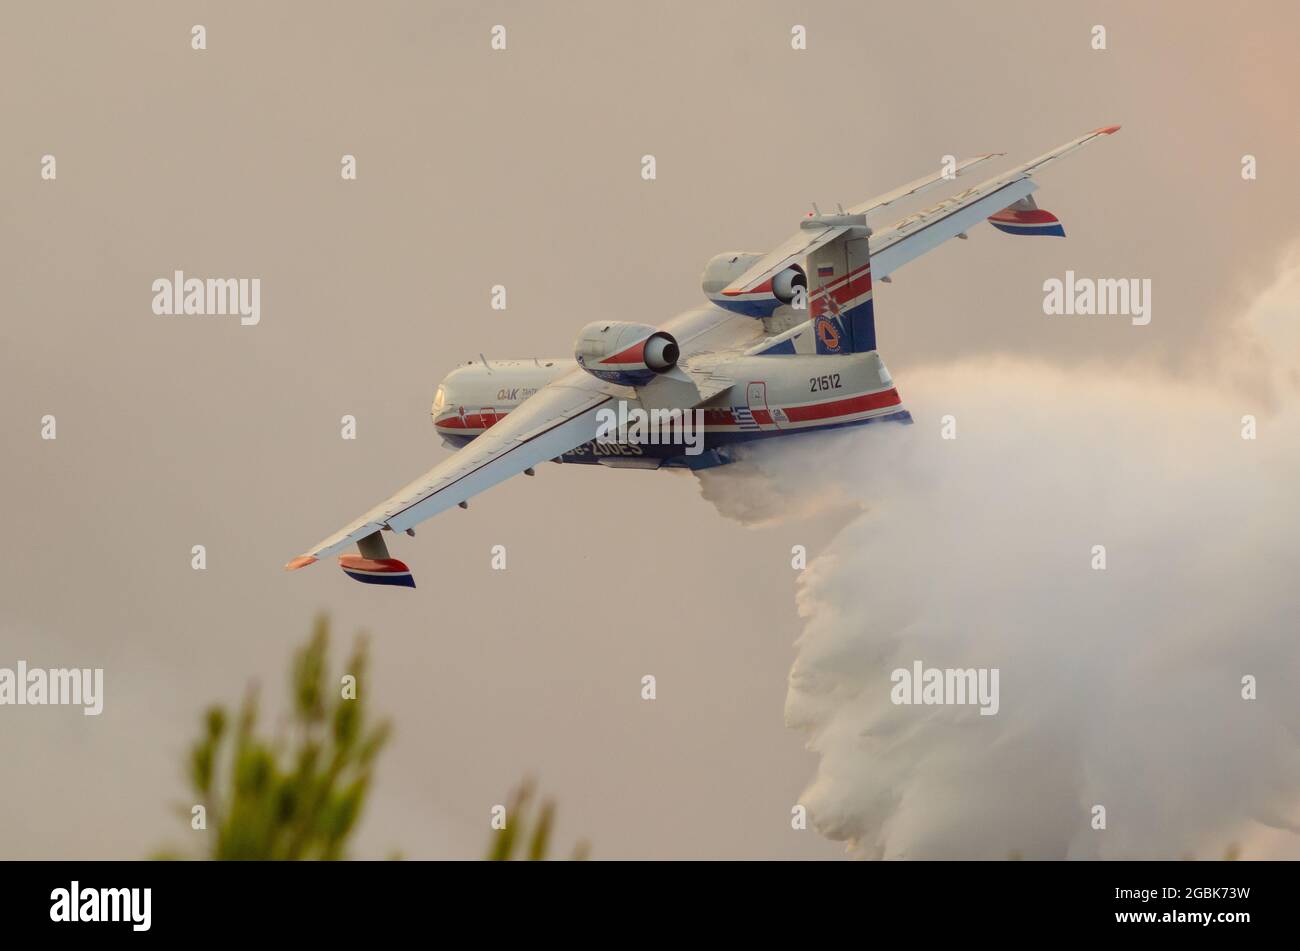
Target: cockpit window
(439,399)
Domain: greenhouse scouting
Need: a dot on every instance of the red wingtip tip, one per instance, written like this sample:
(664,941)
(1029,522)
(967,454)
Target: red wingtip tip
(302,561)
(1109,130)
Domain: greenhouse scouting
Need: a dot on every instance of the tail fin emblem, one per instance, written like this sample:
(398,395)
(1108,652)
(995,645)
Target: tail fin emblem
(827,334)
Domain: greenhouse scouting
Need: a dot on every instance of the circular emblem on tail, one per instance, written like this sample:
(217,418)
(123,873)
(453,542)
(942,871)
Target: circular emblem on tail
(827,334)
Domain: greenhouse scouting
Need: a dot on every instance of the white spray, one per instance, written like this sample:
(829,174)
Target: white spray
(1123,686)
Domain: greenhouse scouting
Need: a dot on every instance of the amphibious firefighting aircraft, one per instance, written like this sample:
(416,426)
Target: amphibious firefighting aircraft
(787,344)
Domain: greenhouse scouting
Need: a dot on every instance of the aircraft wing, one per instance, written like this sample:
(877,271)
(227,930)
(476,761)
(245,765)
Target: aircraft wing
(910,237)
(553,421)
(919,186)
(810,236)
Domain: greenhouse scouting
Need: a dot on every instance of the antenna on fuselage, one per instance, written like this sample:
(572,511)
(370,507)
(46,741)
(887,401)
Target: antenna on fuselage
(485,363)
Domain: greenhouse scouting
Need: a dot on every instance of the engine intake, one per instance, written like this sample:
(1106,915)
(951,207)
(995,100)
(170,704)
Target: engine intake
(625,353)
(784,284)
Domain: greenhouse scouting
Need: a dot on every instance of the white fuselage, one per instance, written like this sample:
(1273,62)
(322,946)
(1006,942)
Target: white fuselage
(770,396)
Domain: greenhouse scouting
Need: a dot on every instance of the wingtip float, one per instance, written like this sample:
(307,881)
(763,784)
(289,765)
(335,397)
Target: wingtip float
(372,566)
(388,571)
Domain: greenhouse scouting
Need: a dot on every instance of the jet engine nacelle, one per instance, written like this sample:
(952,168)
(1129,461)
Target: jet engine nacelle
(725,268)
(626,353)
(786,284)
(722,269)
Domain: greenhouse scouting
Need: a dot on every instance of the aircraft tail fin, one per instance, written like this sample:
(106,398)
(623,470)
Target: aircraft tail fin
(840,301)
(842,315)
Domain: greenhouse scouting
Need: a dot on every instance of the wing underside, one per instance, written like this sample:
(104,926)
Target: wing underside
(809,238)
(921,185)
(557,418)
(922,231)
(914,235)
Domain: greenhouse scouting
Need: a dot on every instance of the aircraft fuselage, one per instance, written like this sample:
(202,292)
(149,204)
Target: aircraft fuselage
(771,396)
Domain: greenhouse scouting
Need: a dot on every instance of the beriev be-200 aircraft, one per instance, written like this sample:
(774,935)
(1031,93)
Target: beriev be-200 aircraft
(786,345)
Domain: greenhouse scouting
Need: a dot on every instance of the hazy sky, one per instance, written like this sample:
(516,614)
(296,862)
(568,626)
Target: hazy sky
(522,168)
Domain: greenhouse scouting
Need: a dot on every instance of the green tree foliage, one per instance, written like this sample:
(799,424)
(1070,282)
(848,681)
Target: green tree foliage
(526,836)
(300,795)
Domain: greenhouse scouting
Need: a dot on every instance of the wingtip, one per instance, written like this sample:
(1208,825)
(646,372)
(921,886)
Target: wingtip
(1108,130)
(302,561)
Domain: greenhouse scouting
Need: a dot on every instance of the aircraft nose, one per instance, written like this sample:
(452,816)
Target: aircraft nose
(439,402)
